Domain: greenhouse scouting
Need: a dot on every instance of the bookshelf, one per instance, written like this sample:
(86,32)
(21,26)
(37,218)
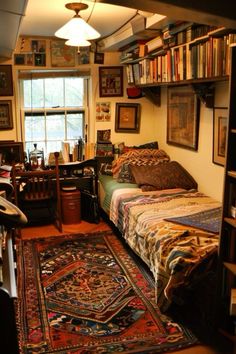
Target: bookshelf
(189,53)
(227,247)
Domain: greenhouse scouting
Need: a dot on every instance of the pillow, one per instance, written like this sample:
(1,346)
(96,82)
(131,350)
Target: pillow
(106,169)
(125,174)
(167,175)
(152,145)
(138,157)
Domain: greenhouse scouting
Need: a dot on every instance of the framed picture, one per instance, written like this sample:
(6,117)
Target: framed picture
(19,59)
(6,85)
(61,54)
(110,81)
(6,121)
(220,126)
(11,151)
(127,119)
(98,58)
(183,117)
(103,111)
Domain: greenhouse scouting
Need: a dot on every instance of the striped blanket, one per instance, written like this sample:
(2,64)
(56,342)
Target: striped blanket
(173,252)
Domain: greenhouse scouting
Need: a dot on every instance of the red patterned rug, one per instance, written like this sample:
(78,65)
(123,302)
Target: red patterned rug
(85,294)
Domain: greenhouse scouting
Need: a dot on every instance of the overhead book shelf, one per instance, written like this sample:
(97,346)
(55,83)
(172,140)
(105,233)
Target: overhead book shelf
(185,52)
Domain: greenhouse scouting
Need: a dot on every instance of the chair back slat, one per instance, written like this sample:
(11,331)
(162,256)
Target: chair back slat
(38,185)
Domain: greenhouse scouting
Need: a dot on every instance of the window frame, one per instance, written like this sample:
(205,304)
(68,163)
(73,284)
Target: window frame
(44,110)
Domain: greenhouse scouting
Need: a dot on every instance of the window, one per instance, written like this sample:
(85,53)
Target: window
(54,111)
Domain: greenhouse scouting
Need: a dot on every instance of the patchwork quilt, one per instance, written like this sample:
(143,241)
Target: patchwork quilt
(173,252)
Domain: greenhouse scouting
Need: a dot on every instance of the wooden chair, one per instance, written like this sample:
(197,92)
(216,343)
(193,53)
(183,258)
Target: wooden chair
(38,191)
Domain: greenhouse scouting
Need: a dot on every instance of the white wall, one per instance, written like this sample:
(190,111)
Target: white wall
(208,175)
(147,133)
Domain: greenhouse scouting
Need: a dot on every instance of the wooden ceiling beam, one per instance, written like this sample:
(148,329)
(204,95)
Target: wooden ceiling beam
(213,12)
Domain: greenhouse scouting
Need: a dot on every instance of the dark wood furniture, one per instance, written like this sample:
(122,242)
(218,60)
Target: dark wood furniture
(83,177)
(227,249)
(36,191)
(83,174)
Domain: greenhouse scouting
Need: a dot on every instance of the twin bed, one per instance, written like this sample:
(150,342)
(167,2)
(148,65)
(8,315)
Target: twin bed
(167,222)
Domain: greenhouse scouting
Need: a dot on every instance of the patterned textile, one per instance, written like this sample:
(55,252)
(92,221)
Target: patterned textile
(208,220)
(85,294)
(172,252)
(139,157)
(163,176)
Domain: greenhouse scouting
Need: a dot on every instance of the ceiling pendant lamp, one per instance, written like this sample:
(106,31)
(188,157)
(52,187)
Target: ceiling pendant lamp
(77,27)
(78,42)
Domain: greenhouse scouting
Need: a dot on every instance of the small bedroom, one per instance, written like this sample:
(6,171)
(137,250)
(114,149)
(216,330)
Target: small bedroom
(117,177)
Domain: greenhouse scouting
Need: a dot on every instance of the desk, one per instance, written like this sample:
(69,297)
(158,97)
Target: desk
(84,174)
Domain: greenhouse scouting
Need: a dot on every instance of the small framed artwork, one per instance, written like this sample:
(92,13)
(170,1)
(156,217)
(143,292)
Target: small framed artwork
(98,58)
(19,59)
(220,126)
(103,111)
(84,55)
(183,117)
(11,151)
(6,121)
(6,83)
(38,46)
(127,119)
(61,54)
(110,81)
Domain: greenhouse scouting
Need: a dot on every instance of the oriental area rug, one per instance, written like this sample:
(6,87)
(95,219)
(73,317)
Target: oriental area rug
(84,293)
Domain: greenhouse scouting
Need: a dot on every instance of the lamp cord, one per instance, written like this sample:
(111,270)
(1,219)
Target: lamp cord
(131,18)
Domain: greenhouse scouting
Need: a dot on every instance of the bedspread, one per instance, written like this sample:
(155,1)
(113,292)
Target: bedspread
(172,252)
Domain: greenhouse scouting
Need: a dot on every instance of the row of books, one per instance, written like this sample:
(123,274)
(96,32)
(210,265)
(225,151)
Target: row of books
(203,59)
(172,35)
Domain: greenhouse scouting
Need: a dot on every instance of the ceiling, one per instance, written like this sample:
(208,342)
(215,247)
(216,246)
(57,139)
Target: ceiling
(44,17)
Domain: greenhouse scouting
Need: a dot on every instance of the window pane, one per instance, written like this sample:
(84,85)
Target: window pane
(34,128)
(53,146)
(74,125)
(54,92)
(33,93)
(74,91)
(55,125)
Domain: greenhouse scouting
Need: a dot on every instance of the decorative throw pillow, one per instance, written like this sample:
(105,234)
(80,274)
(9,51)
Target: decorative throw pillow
(140,157)
(125,175)
(106,169)
(152,145)
(163,176)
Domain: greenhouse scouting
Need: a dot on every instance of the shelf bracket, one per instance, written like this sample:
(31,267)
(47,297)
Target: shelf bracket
(205,92)
(153,93)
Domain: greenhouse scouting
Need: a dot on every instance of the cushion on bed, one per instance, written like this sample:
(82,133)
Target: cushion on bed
(125,174)
(139,157)
(151,145)
(163,176)
(106,169)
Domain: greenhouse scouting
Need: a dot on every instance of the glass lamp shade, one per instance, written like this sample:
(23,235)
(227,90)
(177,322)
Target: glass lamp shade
(76,28)
(78,42)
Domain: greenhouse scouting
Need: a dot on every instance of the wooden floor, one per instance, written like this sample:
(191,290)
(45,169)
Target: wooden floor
(50,230)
